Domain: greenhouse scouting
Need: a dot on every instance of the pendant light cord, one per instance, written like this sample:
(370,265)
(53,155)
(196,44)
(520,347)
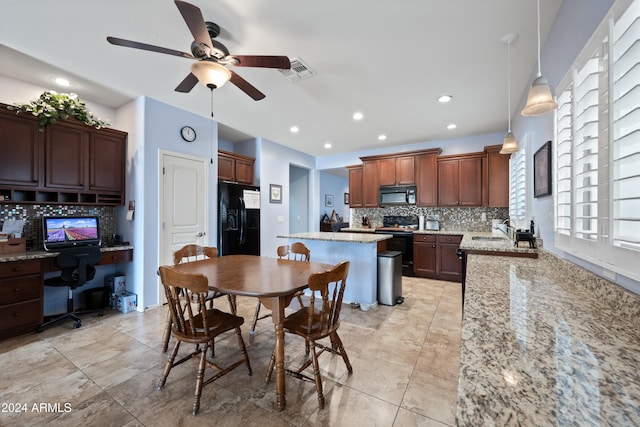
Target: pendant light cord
(211,124)
(539,66)
(509,84)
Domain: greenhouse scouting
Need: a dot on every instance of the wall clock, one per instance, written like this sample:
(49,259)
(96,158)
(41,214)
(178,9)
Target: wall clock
(188,134)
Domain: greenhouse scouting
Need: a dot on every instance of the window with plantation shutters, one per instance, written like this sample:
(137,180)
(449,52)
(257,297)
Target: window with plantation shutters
(597,147)
(517,184)
(626,129)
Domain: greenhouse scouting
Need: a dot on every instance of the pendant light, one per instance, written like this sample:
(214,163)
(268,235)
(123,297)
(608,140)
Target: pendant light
(539,101)
(509,145)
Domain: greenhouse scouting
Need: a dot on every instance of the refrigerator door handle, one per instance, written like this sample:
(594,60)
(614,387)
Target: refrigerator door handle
(243,222)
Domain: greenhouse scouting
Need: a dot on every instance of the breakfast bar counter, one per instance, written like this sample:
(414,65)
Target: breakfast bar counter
(545,342)
(360,249)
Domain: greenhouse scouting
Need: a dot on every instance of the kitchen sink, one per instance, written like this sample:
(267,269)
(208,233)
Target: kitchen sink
(489,238)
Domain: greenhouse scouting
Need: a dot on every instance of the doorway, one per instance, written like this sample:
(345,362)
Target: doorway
(298,199)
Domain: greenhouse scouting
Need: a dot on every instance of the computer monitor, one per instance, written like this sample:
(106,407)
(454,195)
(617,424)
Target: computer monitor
(61,232)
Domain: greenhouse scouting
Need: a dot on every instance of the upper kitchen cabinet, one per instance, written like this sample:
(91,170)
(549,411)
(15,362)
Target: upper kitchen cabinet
(20,145)
(68,163)
(427,177)
(495,179)
(235,167)
(398,170)
(355,186)
(460,180)
(370,184)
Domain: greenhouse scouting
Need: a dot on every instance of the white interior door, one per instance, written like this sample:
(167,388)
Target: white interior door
(184,205)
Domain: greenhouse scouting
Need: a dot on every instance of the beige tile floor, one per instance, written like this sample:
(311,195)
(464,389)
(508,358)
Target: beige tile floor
(405,371)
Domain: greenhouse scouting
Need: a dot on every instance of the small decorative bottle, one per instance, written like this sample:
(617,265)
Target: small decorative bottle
(532,229)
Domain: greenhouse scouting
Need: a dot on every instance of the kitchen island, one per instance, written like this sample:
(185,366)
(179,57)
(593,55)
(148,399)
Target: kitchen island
(360,249)
(545,342)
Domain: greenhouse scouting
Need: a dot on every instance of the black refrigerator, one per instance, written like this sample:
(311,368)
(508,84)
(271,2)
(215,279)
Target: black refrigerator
(238,219)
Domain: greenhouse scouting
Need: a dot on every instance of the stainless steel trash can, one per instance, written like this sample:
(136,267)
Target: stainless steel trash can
(390,277)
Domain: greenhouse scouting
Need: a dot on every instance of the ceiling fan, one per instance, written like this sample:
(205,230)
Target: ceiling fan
(211,55)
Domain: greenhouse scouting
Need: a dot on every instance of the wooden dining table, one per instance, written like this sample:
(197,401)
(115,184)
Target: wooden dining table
(275,281)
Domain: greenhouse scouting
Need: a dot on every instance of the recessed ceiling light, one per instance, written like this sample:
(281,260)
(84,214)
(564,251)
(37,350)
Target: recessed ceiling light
(294,129)
(445,98)
(61,81)
(327,145)
(382,137)
(358,115)
(452,126)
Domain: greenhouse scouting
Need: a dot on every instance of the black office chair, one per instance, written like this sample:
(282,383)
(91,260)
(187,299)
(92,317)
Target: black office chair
(77,266)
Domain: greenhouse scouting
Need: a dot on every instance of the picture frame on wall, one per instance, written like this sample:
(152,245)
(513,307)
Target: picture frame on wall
(275,193)
(542,171)
(346,198)
(328,200)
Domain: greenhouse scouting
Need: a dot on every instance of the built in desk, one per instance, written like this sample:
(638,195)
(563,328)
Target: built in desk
(22,286)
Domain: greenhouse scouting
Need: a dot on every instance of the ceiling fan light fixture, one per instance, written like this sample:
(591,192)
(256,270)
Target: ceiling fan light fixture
(210,74)
(539,101)
(509,145)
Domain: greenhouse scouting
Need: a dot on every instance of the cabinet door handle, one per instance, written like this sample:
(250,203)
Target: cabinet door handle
(16,290)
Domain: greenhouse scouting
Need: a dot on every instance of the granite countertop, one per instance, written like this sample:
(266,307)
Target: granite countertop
(339,236)
(475,241)
(545,342)
(44,254)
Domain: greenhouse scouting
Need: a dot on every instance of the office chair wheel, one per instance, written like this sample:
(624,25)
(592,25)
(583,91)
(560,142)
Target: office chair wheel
(77,324)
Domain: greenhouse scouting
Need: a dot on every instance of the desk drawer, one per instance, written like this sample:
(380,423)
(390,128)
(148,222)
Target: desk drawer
(19,268)
(24,313)
(20,289)
(114,257)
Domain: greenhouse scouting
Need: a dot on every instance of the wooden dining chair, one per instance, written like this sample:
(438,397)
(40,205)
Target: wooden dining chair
(198,327)
(320,320)
(189,253)
(297,251)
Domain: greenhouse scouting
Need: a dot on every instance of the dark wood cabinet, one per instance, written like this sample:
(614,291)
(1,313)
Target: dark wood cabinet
(460,180)
(427,177)
(398,170)
(435,257)
(20,297)
(495,177)
(20,148)
(355,186)
(424,255)
(370,185)
(235,167)
(68,163)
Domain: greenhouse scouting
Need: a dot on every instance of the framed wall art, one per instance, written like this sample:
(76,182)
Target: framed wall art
(542,171)
(328,200)
(275,193)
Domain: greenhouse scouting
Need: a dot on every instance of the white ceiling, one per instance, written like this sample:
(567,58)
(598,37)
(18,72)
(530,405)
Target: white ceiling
(389,60)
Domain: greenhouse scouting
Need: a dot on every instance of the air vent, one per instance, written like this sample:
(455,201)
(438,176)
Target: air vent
(299,70)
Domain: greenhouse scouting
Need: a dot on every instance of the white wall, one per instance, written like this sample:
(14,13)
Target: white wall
(336,186)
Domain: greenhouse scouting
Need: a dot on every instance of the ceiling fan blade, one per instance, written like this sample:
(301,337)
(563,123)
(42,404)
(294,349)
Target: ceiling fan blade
(193,17)
(246,87)
(187,84)
(137,45)
(265,61)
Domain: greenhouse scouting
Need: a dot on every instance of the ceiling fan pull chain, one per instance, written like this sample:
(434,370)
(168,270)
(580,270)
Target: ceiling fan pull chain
(211,124)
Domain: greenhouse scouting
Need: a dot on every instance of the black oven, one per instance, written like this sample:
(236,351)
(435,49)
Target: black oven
(402,242)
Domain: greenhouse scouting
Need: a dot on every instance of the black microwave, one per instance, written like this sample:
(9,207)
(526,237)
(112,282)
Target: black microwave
(397,195)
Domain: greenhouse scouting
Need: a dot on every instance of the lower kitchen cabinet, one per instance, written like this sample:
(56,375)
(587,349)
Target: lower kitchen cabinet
(434,256)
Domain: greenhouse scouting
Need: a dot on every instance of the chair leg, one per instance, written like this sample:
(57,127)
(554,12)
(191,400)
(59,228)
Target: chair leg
(243,350)
(232,304)
(167,333)
(272,364)
(255,319)
(335,339)
(316,376)
(200,380)
(169,365)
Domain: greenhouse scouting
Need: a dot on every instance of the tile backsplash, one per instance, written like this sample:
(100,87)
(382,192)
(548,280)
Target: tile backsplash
(469,219)
(32,215)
